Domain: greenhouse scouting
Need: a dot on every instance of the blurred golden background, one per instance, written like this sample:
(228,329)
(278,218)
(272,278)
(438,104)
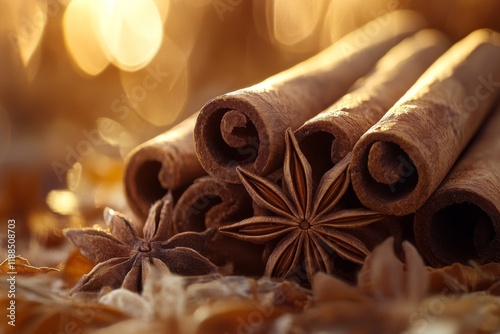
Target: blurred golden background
(82,82)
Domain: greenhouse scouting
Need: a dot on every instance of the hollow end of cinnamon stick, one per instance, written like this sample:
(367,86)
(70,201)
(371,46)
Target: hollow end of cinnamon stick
(458,226)
(326,138)
(166,162)
(401,160)
(385,176)
(246,128)
(227,136)
(324,144)
(209,202)
(461,221)
(145,179)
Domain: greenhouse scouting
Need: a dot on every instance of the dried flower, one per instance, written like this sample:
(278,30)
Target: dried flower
(122,256)
(307,226)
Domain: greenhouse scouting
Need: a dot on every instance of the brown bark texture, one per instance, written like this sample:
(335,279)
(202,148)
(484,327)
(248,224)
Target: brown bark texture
(326,138)
(166,162)
(401,160)
(461,221)
(246,128)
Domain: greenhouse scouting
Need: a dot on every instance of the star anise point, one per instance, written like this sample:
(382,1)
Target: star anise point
(303,220)
(122,256)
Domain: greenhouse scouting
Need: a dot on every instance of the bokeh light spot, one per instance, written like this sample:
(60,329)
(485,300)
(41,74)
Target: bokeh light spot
(130,31)
(293,21)
(80,26)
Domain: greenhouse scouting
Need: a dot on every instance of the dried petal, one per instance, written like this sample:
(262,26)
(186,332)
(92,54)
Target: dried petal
(297,179)
(97,246)
(325,255)
(75,266)
(259,229)
(21,266)
(346,245)
(284,260)
(186,262)
(266,194)
(316,258)
(45,311)
(133,279)
(332,187)
(153,220)
(351,218)
(120,227)
(417,281)
(462,278)
(327,288)
(160,228)
(194,240)
(154,264)
(109,273)
(382,273)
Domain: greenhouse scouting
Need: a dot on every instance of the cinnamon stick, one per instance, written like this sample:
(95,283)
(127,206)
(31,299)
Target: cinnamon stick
(326,138)
(165,162)
(461,220)
(246,127)
(402,159)
(209,202)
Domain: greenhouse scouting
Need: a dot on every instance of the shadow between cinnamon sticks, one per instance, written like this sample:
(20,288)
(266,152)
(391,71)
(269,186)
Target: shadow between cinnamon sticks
(399,162)
(246,127)
(209,202)
(326,138)
(165,162)
(461,221)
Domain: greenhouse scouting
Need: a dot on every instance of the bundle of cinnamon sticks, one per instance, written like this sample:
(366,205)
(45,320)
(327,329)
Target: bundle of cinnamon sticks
(404,120)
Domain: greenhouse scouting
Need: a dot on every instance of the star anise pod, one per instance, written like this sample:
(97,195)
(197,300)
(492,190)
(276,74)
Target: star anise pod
(306,224)
(387,293)
(122,256)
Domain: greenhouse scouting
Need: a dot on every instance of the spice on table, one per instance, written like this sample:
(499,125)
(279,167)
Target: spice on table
(307,227)
(123,257)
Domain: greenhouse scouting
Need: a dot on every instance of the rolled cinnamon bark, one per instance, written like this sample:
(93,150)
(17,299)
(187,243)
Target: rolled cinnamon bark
(399,162)
(165,162)
(326,138)
(246,127)
(209,202)
(461,220)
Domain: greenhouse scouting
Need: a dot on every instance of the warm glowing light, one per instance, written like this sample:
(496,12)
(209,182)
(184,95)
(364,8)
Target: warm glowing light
(293,21)
(163,6)
(74,176)
(131,32)
(339,20)
(199,3)
(80,26)
(159,91)
(125,33)
(63,202)
(116,135)
(31,21)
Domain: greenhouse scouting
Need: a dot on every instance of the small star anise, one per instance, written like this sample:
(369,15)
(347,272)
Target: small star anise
(307,227)
(122,256)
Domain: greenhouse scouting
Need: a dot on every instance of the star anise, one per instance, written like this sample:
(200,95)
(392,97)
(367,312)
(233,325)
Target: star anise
(308,227)
(123,256)
(387,293)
